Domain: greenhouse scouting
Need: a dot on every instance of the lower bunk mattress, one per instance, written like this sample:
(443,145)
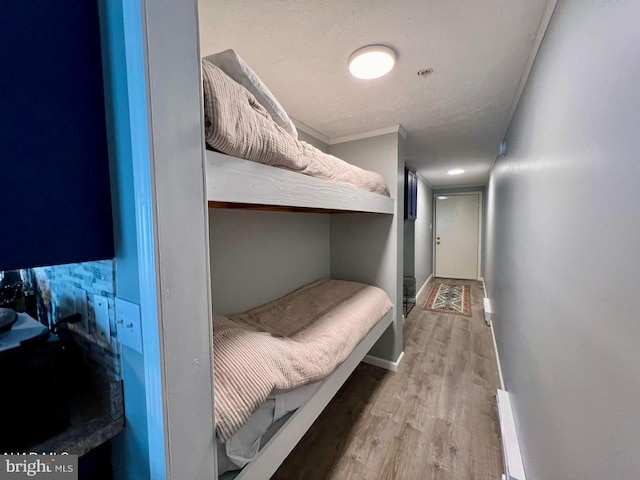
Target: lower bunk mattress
(291,342)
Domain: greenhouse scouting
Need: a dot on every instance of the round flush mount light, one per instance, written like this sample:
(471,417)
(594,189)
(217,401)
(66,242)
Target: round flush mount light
(372,61)
(456,171)
(442,198)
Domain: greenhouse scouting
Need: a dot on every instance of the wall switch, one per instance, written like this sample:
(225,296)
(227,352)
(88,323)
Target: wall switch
(128,324)
(80,300)
(101,309)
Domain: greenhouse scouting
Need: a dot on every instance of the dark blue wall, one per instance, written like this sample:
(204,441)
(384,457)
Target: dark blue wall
(54,174)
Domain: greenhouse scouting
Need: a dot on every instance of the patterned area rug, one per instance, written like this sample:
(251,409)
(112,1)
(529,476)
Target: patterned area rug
(450,299)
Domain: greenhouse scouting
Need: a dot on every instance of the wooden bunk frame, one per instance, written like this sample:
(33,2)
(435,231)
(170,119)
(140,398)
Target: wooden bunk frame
(283,441)
(237,183)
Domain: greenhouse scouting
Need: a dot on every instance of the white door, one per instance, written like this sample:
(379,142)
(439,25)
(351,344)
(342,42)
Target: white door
(457,221)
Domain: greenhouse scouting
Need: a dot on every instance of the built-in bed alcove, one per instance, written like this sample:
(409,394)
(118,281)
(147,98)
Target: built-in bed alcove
(272,231)
(305,240)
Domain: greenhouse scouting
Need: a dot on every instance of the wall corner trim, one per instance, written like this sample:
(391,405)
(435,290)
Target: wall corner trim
(510,446)
(424,286)
(351,137)
(310,130)
(424,179)
(368,134)
(382,363)
(533,53)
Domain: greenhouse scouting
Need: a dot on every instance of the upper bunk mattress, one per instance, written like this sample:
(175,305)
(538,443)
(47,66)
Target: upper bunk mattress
(238,125)
(293,341)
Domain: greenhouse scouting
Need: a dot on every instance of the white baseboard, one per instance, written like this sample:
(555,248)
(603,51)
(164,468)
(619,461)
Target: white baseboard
(424,285)
(386,364)
(486,303)
(510,446)
(495,349)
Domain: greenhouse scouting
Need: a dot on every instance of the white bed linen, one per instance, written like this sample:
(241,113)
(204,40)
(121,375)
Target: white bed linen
(238,125)
(234,66)
(244,445)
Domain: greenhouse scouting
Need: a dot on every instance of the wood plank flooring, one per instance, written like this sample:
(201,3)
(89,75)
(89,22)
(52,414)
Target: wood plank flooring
(436,418)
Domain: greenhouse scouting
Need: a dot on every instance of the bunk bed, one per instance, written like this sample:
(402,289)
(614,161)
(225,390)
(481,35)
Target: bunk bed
(238,183)
(311,337)
(240,175)
(243,135)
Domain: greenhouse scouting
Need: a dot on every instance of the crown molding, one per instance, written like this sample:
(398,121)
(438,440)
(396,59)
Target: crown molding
(370,133)
(351,137)
(533,53)
(424,179)
(311,131)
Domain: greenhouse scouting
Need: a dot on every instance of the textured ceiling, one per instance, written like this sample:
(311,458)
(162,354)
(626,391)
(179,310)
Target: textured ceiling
(455,117)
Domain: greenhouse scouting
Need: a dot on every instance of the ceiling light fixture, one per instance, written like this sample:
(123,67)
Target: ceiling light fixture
(442,198)
(372,61)
(456,171)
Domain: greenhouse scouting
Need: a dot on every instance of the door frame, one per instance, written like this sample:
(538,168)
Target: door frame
(173,391)
(480,225)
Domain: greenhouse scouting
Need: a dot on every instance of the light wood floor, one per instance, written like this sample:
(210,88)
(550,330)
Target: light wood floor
(436,418)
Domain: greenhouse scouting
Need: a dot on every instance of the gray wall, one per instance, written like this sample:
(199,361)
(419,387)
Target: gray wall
(423,230)
(319,144)
(257,257)
(408,249)
(563,267)
(368,247)
(418,238)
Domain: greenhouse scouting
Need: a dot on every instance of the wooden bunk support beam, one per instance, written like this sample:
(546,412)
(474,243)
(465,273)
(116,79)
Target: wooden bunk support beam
(272,208)
(286,438)
(243,184)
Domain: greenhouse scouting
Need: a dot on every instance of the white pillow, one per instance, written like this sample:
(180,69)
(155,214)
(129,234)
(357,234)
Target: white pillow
(230,63)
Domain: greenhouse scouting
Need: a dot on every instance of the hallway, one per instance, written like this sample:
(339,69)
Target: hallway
(435,418)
